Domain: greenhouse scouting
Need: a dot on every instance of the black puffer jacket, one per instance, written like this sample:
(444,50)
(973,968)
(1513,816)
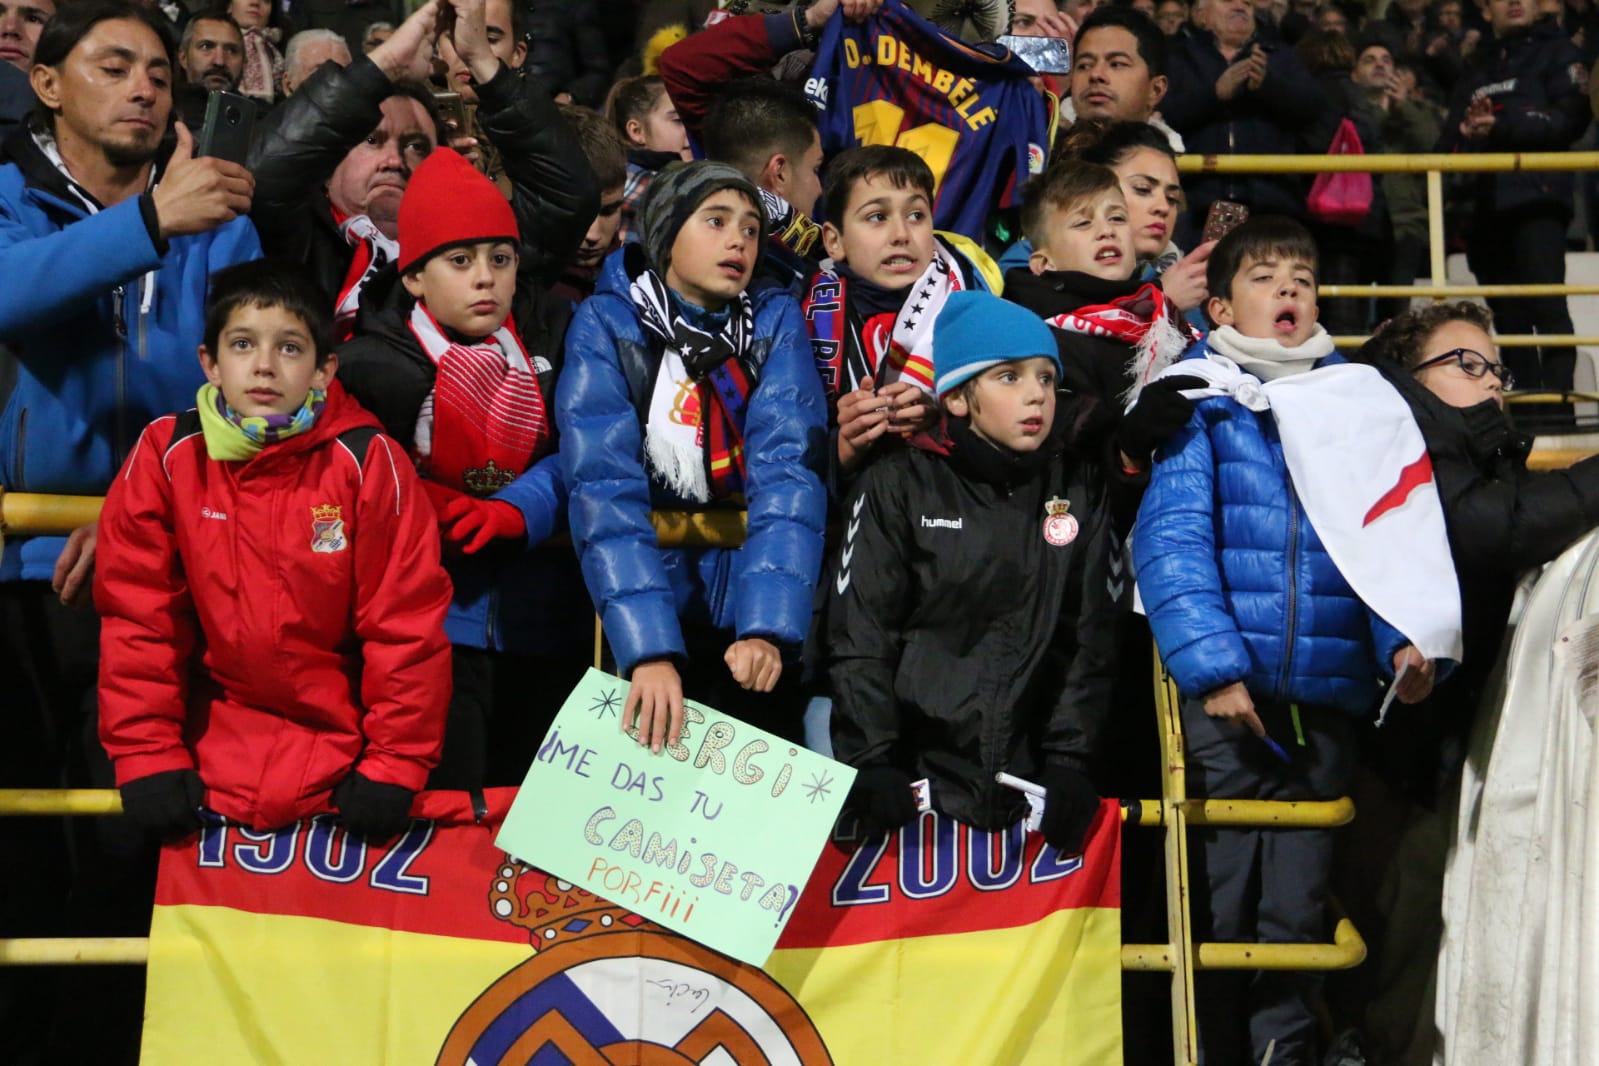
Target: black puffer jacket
(1539,88)
(1272,120)
(1503,519)
(961,641)
(302,142)
(566,49)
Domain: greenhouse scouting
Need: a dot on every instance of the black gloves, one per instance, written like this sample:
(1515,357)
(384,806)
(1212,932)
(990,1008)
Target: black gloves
(1161,410)
(1070,803)
(370,809)
(882,799)
(165,805)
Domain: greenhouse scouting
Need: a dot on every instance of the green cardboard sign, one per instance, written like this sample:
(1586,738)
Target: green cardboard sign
(714,839)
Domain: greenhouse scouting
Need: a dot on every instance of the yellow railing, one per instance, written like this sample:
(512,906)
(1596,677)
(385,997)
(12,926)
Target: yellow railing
(1435,166)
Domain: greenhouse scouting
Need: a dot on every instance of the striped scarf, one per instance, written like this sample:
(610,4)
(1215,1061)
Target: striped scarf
(694,434)
(1145,321)
(485,420)
(870,351)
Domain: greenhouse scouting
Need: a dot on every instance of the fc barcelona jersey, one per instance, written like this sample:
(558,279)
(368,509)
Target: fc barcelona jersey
(968,110)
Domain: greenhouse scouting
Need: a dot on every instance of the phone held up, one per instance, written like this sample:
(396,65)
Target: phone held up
(452,109)
(229,126)
(1224,217)
(1046,55)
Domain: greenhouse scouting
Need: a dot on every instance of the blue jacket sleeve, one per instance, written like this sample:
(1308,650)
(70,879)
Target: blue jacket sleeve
(233,243)
(602,455)
(540,494)
(1174,547)
(68,270)
(785,433)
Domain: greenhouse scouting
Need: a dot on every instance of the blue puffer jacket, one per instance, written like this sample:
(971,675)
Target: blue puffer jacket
(1237,584)
(97,357)
(641,591)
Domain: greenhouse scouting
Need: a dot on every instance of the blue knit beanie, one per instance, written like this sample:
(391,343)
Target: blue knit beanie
(977,330)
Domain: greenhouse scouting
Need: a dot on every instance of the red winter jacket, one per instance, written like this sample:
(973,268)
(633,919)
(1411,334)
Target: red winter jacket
(274,622)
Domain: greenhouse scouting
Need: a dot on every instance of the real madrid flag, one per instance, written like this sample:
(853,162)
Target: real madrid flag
(937,945)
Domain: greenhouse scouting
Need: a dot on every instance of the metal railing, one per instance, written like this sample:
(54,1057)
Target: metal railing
(1434,166)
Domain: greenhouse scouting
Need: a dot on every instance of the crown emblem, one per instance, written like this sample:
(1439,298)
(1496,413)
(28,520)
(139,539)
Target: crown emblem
(487,479)
(326,512)
(555,911)
(1057,506)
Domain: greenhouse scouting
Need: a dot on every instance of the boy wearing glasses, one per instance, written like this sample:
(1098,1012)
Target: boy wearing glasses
(1503,519)
(1256,615)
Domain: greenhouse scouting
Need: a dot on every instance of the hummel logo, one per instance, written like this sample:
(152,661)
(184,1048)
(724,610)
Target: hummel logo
(941,523)
(849,545)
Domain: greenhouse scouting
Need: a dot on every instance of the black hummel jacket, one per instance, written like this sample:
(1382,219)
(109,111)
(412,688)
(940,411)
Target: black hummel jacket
(965,635)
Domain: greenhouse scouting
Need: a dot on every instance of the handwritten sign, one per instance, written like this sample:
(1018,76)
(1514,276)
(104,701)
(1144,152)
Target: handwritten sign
(714,837)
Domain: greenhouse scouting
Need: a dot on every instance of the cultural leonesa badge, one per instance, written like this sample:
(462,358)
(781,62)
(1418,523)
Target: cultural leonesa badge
(1060,528)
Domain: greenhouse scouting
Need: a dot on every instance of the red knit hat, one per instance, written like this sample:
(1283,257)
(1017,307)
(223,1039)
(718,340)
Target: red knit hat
(448,202)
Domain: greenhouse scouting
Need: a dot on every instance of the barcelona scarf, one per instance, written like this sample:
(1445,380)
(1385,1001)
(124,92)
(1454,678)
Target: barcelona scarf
(307,946)
(855,350)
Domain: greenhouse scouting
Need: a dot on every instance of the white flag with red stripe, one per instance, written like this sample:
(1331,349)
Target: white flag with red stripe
(1359,463)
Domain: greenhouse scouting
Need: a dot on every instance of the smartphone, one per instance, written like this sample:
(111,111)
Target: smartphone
(1225,216)
(229,127)
(452,109)
(1046,55)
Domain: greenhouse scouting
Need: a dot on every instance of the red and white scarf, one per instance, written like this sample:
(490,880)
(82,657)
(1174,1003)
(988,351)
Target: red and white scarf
(373,251)
(485,421)
(1145,321)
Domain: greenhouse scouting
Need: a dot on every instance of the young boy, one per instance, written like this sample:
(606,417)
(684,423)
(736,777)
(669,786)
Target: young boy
(1273,651)
(268,580)
(969,625)
(1115,332)
(871,310)
(457,353)
(645,116)
(683,390)
(607,156)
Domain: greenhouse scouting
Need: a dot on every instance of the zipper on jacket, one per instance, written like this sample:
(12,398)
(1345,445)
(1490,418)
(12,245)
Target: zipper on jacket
(1293,591)
(119,309)
(19,482)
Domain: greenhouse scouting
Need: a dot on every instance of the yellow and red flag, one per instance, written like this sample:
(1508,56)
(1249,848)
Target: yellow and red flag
(938,945)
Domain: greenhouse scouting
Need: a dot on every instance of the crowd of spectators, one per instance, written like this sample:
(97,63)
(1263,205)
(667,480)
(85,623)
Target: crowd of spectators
(498,277)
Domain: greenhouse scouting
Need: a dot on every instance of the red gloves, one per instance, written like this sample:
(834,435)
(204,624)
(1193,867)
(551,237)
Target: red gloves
(469,524)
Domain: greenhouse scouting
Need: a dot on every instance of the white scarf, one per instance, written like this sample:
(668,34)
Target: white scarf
(1265,358)
(1359,464)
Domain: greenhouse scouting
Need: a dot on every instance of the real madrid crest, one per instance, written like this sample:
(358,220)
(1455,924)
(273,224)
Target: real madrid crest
(1060,528)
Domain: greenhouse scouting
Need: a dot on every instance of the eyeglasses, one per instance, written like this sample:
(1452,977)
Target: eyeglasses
(1475,365)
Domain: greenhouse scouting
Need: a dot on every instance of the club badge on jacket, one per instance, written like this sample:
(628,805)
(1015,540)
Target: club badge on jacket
(327,529)
(1060,527)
